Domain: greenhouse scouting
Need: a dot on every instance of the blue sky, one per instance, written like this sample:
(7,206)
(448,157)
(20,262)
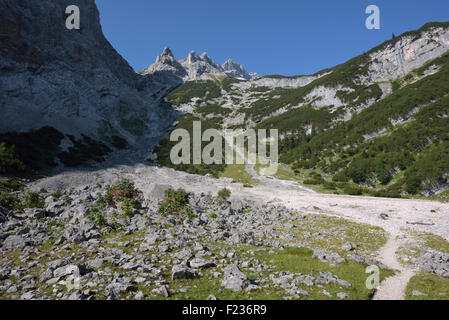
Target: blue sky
(287,37)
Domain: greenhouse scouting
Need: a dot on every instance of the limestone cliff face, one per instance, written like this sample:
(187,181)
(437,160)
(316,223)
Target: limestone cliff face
(72,80)
(407,53)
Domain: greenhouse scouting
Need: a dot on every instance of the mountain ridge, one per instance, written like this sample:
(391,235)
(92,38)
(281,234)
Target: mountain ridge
(196,67)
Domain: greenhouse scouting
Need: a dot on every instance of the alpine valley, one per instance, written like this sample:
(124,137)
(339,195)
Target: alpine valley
(91,206)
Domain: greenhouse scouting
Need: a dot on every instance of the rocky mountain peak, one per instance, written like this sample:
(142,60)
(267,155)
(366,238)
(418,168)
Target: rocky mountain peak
(235,70)
(167,52)
(196,67)
(193,57)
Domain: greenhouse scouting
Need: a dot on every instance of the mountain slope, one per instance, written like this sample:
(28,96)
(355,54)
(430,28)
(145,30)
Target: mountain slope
(370,125)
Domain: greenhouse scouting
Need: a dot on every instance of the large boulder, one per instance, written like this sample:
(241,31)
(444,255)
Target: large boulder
(234,279)
(15,243)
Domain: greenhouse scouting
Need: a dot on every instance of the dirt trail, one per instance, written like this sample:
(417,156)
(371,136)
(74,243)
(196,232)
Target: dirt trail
(394,287)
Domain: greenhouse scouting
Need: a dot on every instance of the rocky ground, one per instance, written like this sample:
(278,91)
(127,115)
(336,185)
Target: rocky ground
(250,246)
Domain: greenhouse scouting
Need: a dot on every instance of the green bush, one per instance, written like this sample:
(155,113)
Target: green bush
(33,199)
(96,215)
(127,207)
(8,160)
(121,190)
(223,194)
(175,202)
(10,184)
(412,184)
(9,201)
(352,190)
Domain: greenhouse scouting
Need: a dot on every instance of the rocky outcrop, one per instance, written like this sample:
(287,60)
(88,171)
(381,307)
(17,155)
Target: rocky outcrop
(410,51)
(73,80)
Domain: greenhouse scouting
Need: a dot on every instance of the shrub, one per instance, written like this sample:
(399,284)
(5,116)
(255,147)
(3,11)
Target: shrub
(8,159)
(213,216)
(352,190)
(10,184)
(9,201)
(121,190)
(223,194)
(127,207)
(33,199)
(412,184)
(57,194)
(175,202)
(96,215)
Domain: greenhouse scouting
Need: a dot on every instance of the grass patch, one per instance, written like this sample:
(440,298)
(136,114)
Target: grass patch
(238,173)
(435,287)
(332,233)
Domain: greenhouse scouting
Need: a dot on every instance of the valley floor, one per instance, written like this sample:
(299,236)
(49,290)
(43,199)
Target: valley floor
(407,222)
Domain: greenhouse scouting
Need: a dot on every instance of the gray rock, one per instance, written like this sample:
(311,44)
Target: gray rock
(115,289)
(139,295)
(96,263)
(162,291)
(234,279)
(348,246)
(304,279)
(77,295)
(182,271)
(332,257)
(184,254)
(418,293)
(342,295)
(369,261)
(15,243)
(46,275)
(237,205)
(27,296)
(71,269)
(199,263)
(328,278)
(36,213)
(435,262)
(242,237)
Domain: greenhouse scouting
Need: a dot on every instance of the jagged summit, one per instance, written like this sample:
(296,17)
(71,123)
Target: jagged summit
(167,52)
(193,57)
(196,67)
(235,70)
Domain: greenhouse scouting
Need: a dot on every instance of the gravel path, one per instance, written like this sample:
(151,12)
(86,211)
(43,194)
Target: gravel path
(394,287)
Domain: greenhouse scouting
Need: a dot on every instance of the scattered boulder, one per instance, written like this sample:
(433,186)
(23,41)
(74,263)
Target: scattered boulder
(15,243)
(242,237)
(162,291)
(325,256)
(182,271)
(418,293)
(435,262)
(199,263)
(348,246)
(328,277)
(343,296)
(234,279)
